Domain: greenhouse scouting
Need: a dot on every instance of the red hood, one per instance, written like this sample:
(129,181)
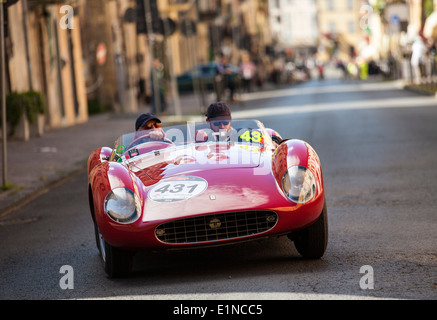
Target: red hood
(222,191)
(234,177)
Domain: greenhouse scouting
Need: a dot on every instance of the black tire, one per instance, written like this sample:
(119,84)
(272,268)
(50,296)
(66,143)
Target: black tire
(97,236)
(117,263)
(277,140)
(311,242)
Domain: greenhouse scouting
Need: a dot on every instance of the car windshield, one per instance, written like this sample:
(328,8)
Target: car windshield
(234,131)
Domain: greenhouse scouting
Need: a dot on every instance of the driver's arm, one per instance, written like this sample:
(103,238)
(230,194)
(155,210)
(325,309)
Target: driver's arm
(157,135)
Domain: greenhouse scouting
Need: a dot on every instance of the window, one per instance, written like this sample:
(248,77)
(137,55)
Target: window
(332,27)
(351,27)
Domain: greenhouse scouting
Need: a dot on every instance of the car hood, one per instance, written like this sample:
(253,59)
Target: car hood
(184,184)
(165,163)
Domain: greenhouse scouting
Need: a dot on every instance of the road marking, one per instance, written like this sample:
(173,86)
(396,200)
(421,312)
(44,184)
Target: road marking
(18,221)
(406,102)
(336,88)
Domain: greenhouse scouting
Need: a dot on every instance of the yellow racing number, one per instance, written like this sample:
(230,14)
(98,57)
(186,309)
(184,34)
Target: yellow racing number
(254,136)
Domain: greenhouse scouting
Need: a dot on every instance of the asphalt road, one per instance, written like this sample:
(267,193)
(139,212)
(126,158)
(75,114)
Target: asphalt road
(378,150)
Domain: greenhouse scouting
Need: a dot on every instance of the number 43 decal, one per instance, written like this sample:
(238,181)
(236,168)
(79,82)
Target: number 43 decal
(249,136)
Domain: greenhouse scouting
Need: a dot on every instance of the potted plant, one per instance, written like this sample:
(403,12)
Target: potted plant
(28,107)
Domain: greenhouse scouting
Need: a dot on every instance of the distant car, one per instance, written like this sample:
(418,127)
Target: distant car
(206,74)
(198,188)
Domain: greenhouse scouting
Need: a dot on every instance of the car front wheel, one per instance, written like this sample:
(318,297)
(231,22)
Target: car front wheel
(117,263)
(311,242)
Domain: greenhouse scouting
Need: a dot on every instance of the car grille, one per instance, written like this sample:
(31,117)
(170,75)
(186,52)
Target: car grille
(215,227)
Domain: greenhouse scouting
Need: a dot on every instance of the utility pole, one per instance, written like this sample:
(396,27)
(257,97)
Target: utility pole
(26,42)
(149,27)
(423,13)
(174,88)
(3,94)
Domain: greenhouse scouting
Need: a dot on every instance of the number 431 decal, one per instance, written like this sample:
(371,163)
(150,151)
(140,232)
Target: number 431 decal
(177,189)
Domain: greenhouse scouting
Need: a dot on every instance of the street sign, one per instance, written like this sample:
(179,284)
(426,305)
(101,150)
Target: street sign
(101,54)
(395,24)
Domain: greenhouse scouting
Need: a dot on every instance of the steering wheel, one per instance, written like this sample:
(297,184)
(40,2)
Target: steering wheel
(146,138)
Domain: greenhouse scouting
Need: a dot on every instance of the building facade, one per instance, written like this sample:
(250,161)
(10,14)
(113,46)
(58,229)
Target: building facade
(44,54)
(294,23)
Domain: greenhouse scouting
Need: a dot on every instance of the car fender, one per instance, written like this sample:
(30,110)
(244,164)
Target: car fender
(98,156)
(295,152)
(105,177)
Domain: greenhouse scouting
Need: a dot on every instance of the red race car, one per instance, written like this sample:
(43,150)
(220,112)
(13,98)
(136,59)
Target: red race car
(197,187)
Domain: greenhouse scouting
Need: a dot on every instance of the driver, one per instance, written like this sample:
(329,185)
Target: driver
(148,121)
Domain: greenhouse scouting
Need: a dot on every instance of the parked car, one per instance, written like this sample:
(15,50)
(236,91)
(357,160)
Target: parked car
(205,74)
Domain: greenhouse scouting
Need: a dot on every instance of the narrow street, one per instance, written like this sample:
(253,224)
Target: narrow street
(377,145)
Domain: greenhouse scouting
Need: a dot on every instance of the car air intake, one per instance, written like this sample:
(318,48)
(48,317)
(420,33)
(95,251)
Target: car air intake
(215,227)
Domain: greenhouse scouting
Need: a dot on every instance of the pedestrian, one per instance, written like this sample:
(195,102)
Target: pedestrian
(418,58)
(224,69)
(340,65)
(158,98)
(321,69)
(247,71)
(141,96)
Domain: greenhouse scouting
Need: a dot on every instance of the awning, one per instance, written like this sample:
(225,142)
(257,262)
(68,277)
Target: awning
(33,3)
(430,27)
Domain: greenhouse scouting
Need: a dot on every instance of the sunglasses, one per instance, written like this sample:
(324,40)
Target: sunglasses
(152,125)
(217,123)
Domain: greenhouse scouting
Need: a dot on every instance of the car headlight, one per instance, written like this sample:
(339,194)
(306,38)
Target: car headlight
(299,184)
(123,205)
